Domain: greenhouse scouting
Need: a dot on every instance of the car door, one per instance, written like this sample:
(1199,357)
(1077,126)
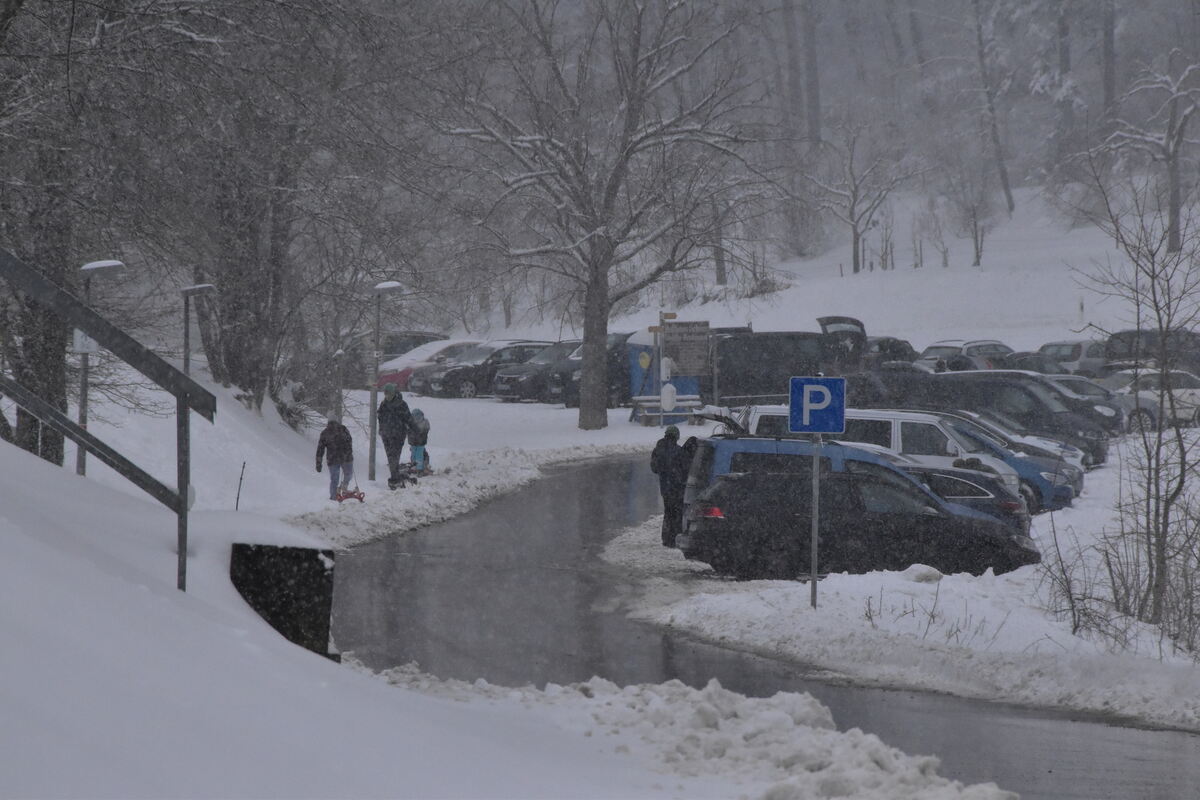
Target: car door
(892,532)
(925,442)
(1186,389)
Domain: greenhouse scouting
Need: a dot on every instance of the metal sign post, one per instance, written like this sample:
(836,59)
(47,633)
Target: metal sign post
(817,406)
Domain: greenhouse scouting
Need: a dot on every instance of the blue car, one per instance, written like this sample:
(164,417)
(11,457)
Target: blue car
(722,455)
(1047,484)
(748,511)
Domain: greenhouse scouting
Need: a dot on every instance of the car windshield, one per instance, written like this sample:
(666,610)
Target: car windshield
(1118,380)
(1061,352)
(554,352)
(939,351)
(476,355)
(989,348)
(965,429)
(1002,421)
(1048,396)
(1083,386)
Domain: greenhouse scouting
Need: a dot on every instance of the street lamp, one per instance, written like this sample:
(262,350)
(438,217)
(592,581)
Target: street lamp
(379,290)
(188,292)
(85,345)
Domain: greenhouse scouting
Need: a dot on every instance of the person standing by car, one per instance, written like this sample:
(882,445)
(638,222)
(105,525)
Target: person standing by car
(336,444)
(667,462)
(394,419)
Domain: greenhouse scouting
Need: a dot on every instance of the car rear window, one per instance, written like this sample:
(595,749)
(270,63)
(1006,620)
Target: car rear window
(939,352)
(1061,352)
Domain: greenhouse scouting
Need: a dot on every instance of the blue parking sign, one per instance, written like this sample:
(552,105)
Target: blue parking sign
(817,405)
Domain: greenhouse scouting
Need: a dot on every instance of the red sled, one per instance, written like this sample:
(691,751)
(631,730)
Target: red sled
(349,494)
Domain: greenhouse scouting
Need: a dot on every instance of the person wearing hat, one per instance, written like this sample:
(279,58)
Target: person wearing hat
(394,419)
(336,444)
(667,462)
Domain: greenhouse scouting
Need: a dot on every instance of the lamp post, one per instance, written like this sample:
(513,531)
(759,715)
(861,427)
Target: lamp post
(188,292)
(85,346)
(379,290)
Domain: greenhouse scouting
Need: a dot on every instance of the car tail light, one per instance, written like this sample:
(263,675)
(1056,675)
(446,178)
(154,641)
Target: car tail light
(711,512)
(1011,505)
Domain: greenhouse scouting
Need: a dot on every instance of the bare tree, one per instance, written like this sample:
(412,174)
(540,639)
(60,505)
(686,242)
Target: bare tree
(1174,95)
(595,128)
(983,38)
(860,179)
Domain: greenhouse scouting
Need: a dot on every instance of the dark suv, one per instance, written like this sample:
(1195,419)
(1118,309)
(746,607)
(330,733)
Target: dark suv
(1181,349)
(531,380)
(472,371)
(563,376)
(753,521)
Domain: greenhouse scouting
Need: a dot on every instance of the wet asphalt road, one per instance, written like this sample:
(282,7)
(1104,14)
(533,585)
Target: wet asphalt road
(515,593)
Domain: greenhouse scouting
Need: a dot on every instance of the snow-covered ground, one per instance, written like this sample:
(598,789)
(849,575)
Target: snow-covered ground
(144,691)
(115,684)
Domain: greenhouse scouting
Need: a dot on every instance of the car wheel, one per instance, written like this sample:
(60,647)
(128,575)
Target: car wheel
(1140,422)
(1030,496)
(467,389)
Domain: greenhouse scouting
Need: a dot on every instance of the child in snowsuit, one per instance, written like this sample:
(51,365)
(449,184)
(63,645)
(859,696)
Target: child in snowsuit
(418,437)
(337,446)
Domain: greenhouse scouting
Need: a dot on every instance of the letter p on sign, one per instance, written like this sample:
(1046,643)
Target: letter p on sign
(817,405)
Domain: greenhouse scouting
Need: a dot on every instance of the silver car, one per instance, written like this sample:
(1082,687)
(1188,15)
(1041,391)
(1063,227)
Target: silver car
(1078,356)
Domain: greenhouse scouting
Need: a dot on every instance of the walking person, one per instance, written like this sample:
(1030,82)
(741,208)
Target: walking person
(336,444)
(394,418)
(418,437)
(667,462)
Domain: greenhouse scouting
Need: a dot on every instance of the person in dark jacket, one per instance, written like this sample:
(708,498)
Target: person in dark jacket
(336,444)
(667,462)
(418,437)
(394,419)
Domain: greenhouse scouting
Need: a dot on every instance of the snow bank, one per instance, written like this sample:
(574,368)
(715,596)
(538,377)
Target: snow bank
(787,741)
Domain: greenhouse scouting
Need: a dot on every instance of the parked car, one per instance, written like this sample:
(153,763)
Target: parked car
(1032,362)
(974,489)
(1180,349)
(1153,403)
(530,381)
(563,377)
(753,521)
(1077,356)
(1030,406)
(1048,482)
(1105,413)
(473,370)
(1087,390)
(1027,442)
(887,350)
(958,355)
(398,370)
(923,437)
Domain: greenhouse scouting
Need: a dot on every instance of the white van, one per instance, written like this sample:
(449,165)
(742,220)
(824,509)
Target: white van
(926,438)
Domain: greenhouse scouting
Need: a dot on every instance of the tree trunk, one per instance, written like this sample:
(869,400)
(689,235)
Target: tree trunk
(1108,61)
(855,250)
(593,384)
(719,243)
(1066,106)
(812,74)
(989,93)
(794,101)
(1174,202)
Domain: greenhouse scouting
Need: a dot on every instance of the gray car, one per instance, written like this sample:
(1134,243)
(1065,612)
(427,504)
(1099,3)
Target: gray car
(959,354)
(1078,356)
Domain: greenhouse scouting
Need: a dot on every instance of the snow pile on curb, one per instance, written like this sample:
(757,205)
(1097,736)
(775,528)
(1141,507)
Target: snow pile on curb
(987,637)
(785,745)
(466,480)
